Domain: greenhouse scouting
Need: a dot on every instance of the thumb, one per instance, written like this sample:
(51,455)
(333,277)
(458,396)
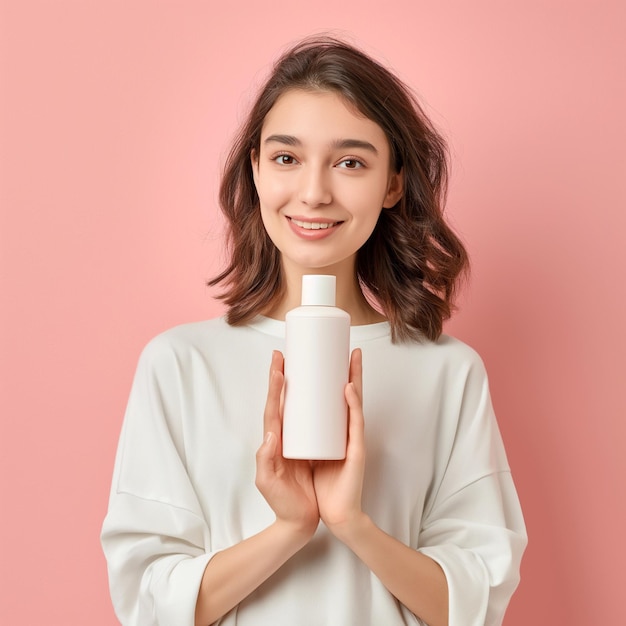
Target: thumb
(269,444)
(356,421)
(266,453)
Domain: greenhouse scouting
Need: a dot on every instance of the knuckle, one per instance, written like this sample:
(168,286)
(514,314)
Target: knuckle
(259,482)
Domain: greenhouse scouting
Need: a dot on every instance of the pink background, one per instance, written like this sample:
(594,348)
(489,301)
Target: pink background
(114,119)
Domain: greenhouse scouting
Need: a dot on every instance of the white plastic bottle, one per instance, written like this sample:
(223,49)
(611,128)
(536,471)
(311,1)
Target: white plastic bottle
(317,357)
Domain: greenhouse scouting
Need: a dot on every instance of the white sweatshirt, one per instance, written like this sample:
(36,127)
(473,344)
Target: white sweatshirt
(183,488)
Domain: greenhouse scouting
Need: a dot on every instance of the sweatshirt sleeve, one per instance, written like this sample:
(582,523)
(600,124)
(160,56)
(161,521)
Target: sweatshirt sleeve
(474,527)
(154,535)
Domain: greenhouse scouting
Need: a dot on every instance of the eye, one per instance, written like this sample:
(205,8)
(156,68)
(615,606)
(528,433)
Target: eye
(351,164)
(284,159)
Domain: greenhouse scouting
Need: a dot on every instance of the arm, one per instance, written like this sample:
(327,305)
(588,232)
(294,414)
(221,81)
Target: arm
(156,537)
(413,578)
(287,485)
(234,573)
(466,563)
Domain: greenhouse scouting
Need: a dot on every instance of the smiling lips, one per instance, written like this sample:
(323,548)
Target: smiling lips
(313,225)
(312,230)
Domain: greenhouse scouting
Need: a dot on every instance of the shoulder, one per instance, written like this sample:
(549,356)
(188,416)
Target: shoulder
(464,367)
(207,345)
(455,351)
(183,337)
(187,341)
(188,334)
(446,352)
(446,366)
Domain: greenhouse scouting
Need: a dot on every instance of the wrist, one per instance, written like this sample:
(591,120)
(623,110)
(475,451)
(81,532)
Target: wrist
(296,533)
(352,529)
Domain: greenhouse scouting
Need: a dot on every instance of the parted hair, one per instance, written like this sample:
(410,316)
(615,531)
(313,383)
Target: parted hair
(412,264)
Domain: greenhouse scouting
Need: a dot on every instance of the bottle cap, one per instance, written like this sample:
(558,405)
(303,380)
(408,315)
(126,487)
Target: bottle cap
(318,290)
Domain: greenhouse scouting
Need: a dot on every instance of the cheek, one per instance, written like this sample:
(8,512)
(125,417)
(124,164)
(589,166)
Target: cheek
(272,196)
(270,215)
(362,194)
(369,224)
(365,203)
(272,189)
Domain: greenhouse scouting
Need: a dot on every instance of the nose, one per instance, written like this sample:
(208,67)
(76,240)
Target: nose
(315,186)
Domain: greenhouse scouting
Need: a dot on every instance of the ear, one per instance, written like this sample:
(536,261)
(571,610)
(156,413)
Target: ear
(254,161)
(395,189)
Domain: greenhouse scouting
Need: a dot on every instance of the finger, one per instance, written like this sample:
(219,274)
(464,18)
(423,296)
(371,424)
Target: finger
(356,421)
(271,415)
(265,460)
(280,360)
(356,371)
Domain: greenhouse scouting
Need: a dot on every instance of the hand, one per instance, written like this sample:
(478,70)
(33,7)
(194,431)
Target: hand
(286,484)
(339,484)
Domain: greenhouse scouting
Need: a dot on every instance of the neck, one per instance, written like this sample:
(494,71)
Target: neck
(350,298)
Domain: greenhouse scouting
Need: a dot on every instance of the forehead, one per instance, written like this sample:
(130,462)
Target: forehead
(320,115)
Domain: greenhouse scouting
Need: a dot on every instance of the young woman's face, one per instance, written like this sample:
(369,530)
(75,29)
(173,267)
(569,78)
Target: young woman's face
(323,176)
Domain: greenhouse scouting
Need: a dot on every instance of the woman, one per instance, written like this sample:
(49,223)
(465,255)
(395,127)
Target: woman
(336,171)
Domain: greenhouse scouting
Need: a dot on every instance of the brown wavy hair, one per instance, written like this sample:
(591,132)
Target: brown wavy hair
(411,265)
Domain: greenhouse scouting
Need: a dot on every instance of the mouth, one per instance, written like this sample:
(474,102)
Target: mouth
(313,225)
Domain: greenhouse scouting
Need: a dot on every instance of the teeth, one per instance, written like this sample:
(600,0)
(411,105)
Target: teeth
(314,225)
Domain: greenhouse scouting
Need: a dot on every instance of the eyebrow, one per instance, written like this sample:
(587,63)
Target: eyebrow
(339,144)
